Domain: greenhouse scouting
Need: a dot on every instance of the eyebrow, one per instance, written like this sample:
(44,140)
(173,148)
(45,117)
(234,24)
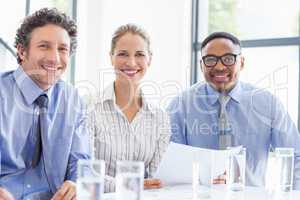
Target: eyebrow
(48,42)
(43,41)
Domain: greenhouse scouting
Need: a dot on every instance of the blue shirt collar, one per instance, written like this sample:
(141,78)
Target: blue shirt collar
(213,95)
(29,89)
(236,92)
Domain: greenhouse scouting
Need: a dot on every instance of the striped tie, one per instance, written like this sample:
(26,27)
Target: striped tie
(225,131)
(42,102)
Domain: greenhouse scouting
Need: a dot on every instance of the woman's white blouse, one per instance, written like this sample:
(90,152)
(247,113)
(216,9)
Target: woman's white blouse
(114,138)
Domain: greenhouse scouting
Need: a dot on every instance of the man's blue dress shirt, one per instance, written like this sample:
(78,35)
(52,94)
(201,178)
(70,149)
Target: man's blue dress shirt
(65,141)
(258,121)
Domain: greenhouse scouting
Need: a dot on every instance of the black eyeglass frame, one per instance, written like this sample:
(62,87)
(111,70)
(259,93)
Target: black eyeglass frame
(220,58)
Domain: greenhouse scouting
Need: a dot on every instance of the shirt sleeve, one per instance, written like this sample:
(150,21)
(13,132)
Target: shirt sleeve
(80,148)
(177,121)
(164,132)
(285,134)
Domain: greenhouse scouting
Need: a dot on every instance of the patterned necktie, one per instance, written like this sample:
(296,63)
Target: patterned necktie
(225,132)
(42,102)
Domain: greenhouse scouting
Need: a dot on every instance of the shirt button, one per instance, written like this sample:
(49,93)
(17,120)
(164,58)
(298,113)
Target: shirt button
(28,186)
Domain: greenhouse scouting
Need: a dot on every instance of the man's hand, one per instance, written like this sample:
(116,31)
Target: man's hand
(5,195)
(152,184)
(66,192)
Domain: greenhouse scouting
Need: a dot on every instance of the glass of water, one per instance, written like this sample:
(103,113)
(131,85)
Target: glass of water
(129,180)
(235,169)
(284,169)
(201,181)
(90,181)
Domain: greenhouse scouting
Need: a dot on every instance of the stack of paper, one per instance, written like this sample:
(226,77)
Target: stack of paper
(177,163)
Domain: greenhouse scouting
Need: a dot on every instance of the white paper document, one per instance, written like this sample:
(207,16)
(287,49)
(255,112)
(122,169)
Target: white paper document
(177,163)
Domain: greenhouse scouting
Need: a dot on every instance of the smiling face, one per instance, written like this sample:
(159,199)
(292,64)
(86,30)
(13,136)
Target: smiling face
(220,77)
(47,55)
(130,58)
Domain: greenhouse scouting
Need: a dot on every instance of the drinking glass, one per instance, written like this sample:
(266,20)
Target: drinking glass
(235,170)
(202,177)
(129,180)
(90,181)
(284,169)
(201,181)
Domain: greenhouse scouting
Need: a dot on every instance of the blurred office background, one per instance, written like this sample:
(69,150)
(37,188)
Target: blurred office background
(269,30)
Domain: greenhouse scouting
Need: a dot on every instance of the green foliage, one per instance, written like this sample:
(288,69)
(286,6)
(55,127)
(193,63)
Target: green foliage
(63,5)
(222,16)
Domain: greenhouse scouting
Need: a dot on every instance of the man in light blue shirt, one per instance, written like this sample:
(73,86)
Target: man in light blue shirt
(40,148)
(257,120)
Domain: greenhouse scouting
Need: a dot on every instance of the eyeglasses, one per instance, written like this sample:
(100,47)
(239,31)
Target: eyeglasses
(227,59)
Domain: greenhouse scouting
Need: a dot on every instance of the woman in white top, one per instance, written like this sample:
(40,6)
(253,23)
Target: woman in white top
(125,125)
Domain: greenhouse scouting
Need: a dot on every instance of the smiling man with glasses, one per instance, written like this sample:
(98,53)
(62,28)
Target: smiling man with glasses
(221,61)
(224,112)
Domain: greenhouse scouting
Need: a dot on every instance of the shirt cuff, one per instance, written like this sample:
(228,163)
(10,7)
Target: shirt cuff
(296,185)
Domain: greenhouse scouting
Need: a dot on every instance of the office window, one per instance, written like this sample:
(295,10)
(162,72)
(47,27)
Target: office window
(269,31)
(255,19)
(62,5)
(277,70)
(7,59)
(11,13)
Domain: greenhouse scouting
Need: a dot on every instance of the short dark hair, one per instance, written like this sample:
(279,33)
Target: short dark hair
(225,35)
(41,18)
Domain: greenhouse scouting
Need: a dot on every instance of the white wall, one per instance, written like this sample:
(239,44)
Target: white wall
(166,21)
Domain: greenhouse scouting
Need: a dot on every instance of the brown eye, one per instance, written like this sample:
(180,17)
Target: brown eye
(228,59)
(210,60)
(122,54)
(140,55)
(43,46)
(63,49)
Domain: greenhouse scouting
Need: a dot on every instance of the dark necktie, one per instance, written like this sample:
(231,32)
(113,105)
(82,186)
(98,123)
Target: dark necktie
(225,132)
(42,102)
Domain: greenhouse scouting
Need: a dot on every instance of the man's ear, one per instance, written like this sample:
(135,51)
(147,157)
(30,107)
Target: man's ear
(201,65)
(21,51)
(242,62)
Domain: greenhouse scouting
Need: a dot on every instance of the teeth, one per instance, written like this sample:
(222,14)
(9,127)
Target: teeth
(220,77)
(49,67)
(130,72)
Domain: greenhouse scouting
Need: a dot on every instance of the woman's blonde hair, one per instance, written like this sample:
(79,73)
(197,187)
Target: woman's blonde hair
(133,29)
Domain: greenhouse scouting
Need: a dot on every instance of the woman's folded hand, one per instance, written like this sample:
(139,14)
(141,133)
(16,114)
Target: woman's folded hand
(152,184)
